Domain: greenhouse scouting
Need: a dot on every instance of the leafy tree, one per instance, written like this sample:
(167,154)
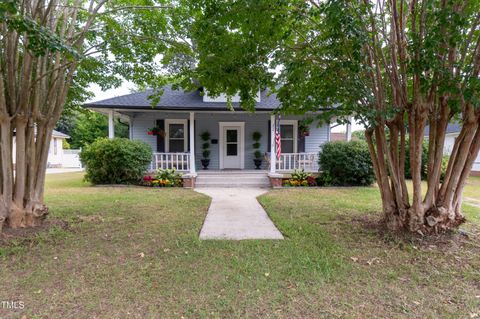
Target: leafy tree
(359,135)
(51,50)
(90,126)
(395,65)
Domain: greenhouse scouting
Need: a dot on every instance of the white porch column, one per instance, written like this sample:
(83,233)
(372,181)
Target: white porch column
(273,156)
(349,129)
(111,127)
(192,144)
(130,127)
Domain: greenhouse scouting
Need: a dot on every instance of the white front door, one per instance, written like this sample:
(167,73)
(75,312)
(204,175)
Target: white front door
(231,150)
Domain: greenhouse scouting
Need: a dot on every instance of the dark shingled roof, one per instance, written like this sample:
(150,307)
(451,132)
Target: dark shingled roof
(178,100)
(451,128)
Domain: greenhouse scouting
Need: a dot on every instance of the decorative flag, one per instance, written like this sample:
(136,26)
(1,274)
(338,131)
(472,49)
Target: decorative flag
(278,140)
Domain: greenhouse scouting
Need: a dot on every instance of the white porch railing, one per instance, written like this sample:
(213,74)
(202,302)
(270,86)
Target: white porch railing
(288,162)
(179,161)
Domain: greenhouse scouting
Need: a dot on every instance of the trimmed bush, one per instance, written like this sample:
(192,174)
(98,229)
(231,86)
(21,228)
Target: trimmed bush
(346,164)
(116,161)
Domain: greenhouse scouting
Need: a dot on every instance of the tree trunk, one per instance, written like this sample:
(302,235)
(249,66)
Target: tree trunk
(33,91)
(440,210)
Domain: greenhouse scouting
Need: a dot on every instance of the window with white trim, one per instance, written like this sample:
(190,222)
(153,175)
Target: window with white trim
(288,134)
(176,136)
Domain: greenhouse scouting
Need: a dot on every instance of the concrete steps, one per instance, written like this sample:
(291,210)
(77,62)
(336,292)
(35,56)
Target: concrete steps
(227,179)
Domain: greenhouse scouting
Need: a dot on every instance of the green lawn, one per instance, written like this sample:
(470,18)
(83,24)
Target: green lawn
(135,253)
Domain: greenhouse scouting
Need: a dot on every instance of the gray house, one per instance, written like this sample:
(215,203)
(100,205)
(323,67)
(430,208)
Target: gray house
(174,126)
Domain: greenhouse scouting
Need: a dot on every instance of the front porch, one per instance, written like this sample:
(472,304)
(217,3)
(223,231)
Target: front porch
(176,139)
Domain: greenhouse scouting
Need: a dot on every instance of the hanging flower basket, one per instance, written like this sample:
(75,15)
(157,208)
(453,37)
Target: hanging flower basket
(155,131)
(303,129)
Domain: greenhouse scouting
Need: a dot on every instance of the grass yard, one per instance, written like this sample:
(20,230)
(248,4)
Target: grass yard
(135,253)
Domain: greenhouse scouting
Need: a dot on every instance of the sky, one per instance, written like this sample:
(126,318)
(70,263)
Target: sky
(127,86)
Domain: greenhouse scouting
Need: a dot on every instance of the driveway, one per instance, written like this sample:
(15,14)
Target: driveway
(235,214)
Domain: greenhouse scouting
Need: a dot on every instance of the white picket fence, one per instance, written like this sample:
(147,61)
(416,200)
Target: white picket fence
(71,159)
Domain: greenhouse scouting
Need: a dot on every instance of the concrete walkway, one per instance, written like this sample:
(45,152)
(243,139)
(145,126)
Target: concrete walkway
(235,214)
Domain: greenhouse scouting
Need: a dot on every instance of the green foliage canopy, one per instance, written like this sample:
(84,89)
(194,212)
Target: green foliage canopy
(311,53)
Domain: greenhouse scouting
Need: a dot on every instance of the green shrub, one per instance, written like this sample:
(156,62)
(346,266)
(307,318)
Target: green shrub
(445,160)
(300,175)
(346,164)
(300,178)
(116,161)
(424,169)
(323,179)
(167,178)
(256,136)
(205,136)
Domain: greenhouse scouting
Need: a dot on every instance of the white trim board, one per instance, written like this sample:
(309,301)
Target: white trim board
(167,133)
(295,132)
(241,125)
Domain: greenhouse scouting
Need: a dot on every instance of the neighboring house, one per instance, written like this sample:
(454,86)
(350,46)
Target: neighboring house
(181,117)
(55,152)
(453,130)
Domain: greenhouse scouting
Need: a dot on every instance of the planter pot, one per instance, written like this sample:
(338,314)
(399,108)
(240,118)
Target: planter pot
(205,163)
(258,162)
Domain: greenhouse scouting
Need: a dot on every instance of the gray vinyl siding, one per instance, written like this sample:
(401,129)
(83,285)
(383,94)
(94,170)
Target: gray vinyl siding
(141,121)
(318,136)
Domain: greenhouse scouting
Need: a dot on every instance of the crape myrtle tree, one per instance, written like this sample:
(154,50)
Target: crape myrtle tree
(50,51)
(396,66)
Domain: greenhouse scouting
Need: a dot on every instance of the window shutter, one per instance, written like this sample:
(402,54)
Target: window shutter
(161,139)
(301,144)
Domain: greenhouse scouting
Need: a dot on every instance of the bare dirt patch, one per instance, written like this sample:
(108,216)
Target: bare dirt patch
(445,241)
(25,235)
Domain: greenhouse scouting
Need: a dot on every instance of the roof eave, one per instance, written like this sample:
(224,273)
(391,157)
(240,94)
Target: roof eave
(168,108)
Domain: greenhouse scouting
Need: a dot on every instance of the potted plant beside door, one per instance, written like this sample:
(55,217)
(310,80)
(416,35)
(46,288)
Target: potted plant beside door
(205,136)
(257,153)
